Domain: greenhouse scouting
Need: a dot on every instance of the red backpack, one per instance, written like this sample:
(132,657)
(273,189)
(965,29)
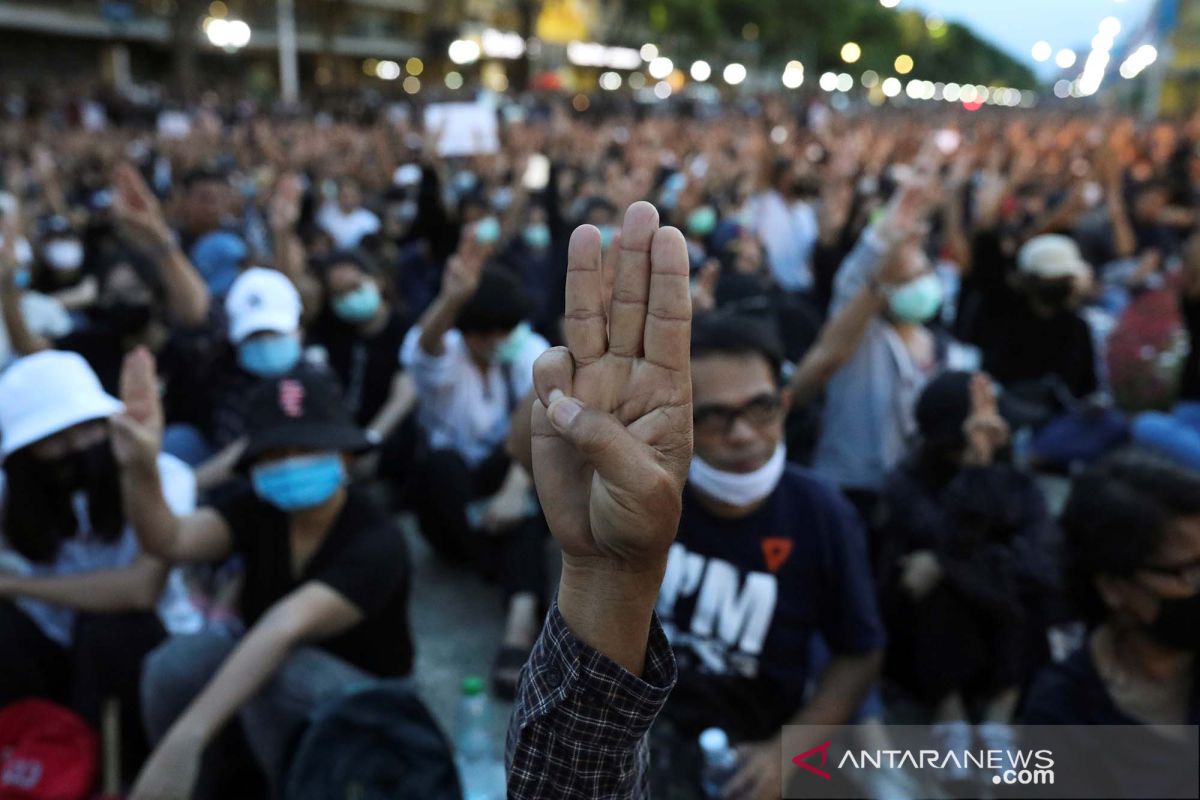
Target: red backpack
(46,753)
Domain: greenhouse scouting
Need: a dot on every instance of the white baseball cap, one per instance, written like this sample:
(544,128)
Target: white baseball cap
(262,300)
(46,393)
(1052,256)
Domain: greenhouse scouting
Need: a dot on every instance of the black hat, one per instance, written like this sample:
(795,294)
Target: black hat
(303,408)
(942,409)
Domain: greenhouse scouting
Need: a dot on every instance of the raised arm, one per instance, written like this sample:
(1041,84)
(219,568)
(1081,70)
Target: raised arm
(837,342)
(137,437)
(23,340)
(459,282)
(140,219)
(612,439)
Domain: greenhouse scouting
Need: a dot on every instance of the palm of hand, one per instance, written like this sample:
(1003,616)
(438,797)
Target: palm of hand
(613,488)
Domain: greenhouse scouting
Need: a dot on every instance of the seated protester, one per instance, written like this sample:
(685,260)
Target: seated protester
(59,270)
(207,403)
(1035,333)
(962,560)
(868,414)
(80,605)
(127,314)
(325,599)
(766,557)
(361,332)
(206,205)
(345,218)
(1131,531)
(471,357)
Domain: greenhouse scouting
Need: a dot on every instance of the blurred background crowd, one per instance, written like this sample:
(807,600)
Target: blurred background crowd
(945,365)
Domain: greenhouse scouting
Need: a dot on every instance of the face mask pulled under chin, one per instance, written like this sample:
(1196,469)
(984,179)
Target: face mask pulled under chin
(738,488)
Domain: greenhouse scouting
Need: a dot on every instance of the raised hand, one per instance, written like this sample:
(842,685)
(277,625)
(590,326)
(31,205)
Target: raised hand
(985,430)
(464,268)
(612,426)
(137,210)
(137,431)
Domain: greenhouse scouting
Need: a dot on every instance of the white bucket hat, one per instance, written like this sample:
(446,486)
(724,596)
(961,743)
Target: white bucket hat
(262,300)
(1052,256)
(48,392)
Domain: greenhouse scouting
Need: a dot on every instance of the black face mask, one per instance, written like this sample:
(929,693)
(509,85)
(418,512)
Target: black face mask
(125,318)
(1178,623)
(1054,295)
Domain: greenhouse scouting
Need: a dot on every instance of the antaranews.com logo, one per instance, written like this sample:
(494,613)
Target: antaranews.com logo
(1102,762)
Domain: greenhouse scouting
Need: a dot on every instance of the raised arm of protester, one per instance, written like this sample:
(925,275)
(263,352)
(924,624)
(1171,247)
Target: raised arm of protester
(612,439)
(141,220)
(12,290)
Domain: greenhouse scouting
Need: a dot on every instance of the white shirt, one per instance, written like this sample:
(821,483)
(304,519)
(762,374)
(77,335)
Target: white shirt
(84,553)
(788,234)
(347,230)
(462,408)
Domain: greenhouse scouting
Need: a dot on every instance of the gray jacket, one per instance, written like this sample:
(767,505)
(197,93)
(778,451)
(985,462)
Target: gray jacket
(868,416)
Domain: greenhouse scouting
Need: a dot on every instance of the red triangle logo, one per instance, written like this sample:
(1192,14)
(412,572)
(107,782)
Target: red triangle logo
(802,760)
(776,550)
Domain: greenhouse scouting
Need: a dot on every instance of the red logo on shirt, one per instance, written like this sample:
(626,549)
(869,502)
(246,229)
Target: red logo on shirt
(291,397)
(776,550)
(801,760)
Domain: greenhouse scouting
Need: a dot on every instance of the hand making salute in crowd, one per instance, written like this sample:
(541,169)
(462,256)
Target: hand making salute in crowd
(612,439)
(471,357)
(325,598)
(80,601)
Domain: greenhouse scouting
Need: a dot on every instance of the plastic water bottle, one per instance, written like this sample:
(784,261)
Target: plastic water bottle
(479,770)
(720,761)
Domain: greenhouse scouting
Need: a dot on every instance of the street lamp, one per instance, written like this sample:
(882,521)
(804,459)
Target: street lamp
(229,34)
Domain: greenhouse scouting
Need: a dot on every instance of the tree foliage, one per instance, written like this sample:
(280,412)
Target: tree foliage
(813,31)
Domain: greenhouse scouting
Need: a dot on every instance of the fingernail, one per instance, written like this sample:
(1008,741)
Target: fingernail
(555,394)
(563,413)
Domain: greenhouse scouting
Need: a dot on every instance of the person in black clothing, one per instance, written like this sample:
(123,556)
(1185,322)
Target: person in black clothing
(1022,316)
(325,598)
(1132,556)
(962,563)
(361,331)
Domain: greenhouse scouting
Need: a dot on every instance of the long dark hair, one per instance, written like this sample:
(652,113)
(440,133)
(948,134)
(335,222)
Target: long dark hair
(39,512)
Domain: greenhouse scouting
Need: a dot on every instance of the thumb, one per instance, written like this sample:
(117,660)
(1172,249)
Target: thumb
(600,439)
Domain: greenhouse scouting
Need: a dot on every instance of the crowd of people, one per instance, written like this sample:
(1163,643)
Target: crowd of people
(944,381)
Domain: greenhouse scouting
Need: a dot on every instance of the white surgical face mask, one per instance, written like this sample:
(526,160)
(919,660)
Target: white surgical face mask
(738,488)
(63,254)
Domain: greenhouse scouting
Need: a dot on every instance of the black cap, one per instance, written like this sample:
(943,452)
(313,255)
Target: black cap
(303,408)
(943,408)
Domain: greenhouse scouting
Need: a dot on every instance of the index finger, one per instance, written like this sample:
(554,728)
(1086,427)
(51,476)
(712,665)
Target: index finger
(585,323)
(669,308)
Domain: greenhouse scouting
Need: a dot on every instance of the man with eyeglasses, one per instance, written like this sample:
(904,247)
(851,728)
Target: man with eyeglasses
(767,557)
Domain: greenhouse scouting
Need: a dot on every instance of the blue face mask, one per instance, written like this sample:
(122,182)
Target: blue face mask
(359,305)
(508,350)
(607,232)
(294,484)
(464,182)
(917,300)
(487,230)
(270,355)
(537,235)
(702,221)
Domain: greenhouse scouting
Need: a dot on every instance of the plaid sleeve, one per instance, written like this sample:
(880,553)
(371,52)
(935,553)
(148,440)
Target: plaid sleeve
(578,730)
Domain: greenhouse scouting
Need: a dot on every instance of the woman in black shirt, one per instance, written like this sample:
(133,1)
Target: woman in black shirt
(325,599)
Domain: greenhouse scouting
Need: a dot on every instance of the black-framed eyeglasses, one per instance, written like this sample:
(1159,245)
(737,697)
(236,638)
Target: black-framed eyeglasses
(758,411)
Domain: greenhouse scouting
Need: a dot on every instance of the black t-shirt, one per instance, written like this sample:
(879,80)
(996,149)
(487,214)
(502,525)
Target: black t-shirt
(363,558)
(102,348)
(1072,693)
(742,600)
(365,366)
(1023,346)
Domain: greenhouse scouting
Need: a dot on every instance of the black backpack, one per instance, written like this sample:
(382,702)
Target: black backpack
(376,741)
